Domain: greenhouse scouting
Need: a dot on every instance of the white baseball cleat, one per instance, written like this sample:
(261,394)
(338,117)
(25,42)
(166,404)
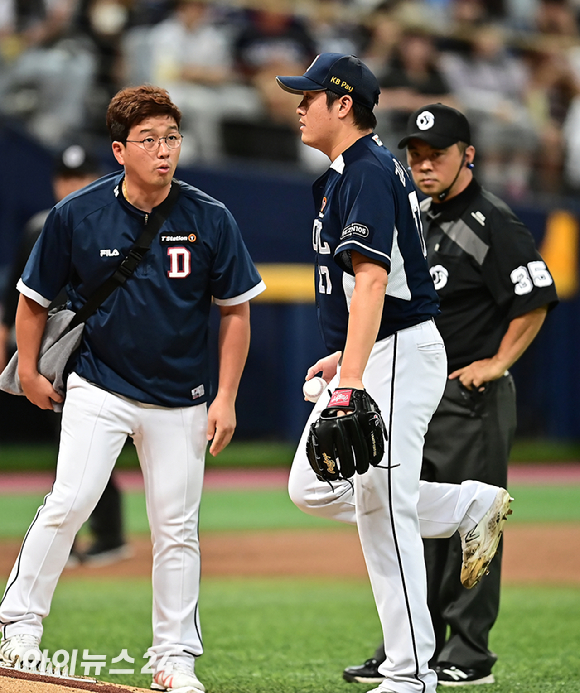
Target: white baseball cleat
(480,544)
(179,678)
(381,689)
(21,652)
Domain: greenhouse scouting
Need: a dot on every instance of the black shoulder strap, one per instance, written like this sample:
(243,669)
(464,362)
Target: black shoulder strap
(134,257)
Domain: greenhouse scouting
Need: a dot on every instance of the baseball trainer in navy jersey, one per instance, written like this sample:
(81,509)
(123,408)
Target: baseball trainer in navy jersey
(142,369)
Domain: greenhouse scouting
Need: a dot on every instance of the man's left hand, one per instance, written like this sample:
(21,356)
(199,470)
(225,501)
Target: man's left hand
(221,424)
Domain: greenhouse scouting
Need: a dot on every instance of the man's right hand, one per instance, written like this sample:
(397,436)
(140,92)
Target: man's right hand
(39,390)
(327,366)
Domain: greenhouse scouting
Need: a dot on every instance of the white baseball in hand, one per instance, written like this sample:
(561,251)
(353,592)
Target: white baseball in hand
(313,388)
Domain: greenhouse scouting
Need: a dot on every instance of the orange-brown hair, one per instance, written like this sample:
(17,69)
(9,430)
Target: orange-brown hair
(133,105)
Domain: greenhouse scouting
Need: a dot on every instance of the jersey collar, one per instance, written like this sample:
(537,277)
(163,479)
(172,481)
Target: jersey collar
(338,164)
(127,206)
(351,153)
(455,206)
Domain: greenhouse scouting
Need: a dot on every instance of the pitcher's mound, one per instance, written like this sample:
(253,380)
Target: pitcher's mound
(13,681)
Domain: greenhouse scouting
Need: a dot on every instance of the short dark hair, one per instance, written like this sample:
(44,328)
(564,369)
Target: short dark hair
(362,116)
(133,105)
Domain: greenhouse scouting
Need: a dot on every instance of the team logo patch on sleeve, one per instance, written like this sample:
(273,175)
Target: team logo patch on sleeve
(354,230)
(169,239)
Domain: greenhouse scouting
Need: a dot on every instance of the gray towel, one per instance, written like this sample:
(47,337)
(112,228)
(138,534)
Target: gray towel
(55,352)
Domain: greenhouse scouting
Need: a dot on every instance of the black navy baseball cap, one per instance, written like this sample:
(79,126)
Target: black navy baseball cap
(76,160)
(438,125)
(340,73)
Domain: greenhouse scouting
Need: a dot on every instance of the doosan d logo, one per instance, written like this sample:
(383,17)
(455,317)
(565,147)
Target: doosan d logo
(425,120)
(439,275)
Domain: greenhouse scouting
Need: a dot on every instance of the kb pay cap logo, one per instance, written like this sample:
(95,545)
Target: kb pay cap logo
(425,120)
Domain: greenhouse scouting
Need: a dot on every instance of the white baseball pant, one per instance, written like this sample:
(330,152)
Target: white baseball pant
(171,445)
(406,375)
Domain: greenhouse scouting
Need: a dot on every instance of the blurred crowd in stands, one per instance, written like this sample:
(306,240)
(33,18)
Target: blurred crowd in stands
(513,66)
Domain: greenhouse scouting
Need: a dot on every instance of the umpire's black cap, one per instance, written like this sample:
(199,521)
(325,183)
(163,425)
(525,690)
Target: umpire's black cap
(438,125)
(343,74)
(75,161)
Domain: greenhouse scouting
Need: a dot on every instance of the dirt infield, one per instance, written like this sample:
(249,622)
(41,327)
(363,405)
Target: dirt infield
(533,554)
(22,682)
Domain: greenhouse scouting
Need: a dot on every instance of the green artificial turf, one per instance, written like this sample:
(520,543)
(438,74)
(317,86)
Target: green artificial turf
(239,454)
(266,454)
(544,450)
(296,635)
(272,509)
(221,510)
(545,504)
(536,637)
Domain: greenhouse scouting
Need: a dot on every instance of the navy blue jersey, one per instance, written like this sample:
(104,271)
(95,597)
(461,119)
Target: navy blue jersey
(367,202)
(148,340)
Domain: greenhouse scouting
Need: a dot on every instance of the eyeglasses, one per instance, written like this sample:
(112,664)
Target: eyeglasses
(152,144)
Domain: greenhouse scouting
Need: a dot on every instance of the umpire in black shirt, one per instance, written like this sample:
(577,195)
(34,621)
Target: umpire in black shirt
(495,291)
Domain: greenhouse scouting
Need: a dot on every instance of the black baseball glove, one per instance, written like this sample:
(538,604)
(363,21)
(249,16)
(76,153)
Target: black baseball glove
(338,446)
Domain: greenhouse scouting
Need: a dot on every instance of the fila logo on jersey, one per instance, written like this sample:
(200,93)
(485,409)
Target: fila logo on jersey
(107,252)
(439,275)
(354,230)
